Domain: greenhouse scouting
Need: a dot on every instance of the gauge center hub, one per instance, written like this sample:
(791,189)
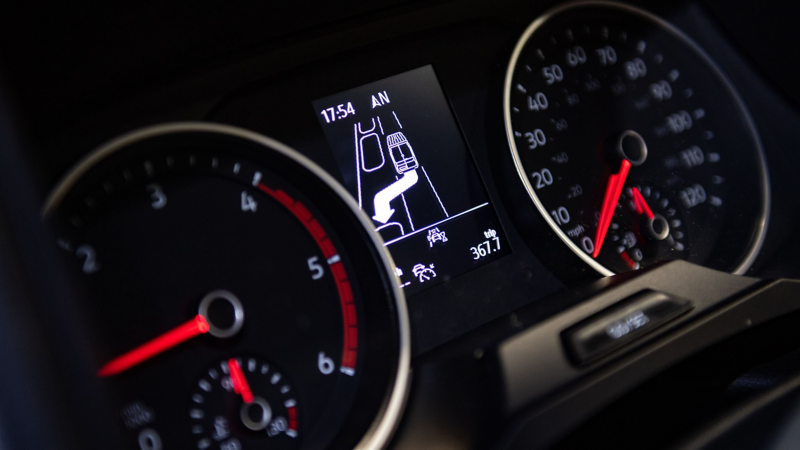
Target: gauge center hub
(219,307)
(631,146)
(658,227)
(256,415)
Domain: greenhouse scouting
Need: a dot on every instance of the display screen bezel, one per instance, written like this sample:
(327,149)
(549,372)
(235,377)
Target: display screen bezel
(421,88)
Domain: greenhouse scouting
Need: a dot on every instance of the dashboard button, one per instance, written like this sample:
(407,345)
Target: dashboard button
(621,324)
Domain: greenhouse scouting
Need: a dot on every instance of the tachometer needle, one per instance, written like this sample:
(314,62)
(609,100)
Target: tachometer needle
(240,385)
(641,205)
(613,190)
(195,327)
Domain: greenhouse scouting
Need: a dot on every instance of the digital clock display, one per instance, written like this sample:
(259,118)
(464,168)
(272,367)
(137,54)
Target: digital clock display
(338,112)
(404,159)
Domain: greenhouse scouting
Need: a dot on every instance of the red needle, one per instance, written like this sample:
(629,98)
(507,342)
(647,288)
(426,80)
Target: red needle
(641,205)
(240,385)
(195,327)
(613,189)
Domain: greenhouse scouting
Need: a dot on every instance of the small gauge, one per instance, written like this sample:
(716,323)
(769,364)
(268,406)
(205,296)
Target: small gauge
(632,144)
(646,228)
(244,402)
(207,250)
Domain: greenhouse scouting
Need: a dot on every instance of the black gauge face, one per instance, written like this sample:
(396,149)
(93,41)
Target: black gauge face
(632,144)
(234,299)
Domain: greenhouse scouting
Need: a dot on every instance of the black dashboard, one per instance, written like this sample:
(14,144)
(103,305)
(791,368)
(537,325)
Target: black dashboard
(503,286)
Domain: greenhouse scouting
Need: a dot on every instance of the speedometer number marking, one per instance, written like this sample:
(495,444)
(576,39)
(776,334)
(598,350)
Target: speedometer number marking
(552,74)
(606,55)
(576,56)
(542,178)
(537,102)
(536,138)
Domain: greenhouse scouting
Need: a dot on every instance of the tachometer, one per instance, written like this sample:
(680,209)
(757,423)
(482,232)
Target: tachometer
(236,297)
(632,143)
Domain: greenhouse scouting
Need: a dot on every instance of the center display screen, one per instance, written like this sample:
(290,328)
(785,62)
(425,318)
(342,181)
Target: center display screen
(405,161)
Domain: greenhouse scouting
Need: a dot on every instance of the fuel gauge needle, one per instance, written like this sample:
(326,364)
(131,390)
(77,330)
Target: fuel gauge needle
(195,327)
(613,190)
(240,385)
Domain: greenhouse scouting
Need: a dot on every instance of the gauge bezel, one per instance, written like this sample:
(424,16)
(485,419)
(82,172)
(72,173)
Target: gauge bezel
(761,223)
(385,423)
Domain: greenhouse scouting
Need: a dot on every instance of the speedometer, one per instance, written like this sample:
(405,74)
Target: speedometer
(632,143)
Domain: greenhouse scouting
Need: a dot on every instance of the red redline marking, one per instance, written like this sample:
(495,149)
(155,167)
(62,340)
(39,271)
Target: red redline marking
(349,316)
(302,212)
(337,269)
(631,263)
(350,312)
(349,356)
(316,229)
(292,412)
(282,197)
(327,248)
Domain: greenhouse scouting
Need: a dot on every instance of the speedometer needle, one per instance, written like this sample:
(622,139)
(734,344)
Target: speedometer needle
(195,327)
(613,190)
(240,385)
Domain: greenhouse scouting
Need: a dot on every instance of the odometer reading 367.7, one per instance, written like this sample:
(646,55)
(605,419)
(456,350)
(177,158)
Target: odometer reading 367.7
(631,142)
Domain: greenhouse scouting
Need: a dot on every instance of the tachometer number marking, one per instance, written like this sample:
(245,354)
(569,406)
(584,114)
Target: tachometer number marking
(317,271)
(325,364)
(248,203)
(157,195)
(90,264)
(349,317)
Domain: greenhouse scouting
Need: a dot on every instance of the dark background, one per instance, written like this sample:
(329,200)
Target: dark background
(77,75)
